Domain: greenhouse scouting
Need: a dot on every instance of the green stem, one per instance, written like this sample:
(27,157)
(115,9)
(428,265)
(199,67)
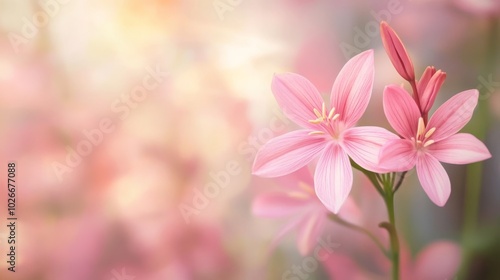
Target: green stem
(387,191)
(479,127)
(373,177)
(357,228)
(394,236)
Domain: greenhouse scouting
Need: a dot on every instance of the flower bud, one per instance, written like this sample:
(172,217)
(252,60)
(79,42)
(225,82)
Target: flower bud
(397,52)
(428,95)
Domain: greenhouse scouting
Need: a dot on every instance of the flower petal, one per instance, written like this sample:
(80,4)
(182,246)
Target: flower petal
(333,177)
(401,111)
(461,148)
(352,89)
(430,92)
(309,231)
(453,115)
(426,77)
(277,204)
(433,179)
(363,145)
(397,52)
(297,97)
(287,153)
(398,155)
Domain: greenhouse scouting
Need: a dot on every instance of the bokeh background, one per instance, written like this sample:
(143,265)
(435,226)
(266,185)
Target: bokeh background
(122,115)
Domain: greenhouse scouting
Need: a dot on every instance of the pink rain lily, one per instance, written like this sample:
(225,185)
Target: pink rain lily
(297,201)
(329,131)
(425,145)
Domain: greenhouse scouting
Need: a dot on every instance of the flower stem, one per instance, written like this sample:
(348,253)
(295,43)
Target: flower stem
(373,177)
(384,184)
(389,192)
(357,228)
(391,228)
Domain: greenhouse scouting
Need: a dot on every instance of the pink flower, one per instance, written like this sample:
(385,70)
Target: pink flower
(426,145)
(428,86)
(297,201)
(328,133)
(397,52)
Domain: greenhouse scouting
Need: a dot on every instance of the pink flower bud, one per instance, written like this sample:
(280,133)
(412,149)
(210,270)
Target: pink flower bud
(397,52)
(428,88)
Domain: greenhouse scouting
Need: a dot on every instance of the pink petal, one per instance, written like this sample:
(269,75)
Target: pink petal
(454,114)
(398,155)
(401,111)
(433,179)
(333,177)
(397,52)
(363,145)
(297,97)
(440,260)
(287,153)
(309,231)
(277,204)
(426,77)
(352,89)
(461,148)
(428,96)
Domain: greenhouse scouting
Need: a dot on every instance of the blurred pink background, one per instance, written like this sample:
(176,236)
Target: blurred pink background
(134,124)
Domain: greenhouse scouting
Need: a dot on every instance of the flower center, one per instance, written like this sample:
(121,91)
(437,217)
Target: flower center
(422,139)
(325,122)
(305,191)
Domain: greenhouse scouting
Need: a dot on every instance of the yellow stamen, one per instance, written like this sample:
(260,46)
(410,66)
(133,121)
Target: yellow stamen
(316,121)
(299,195)
(316,132)
(421,127)
(428,143)
(430,132)
(306,187)
(335,117)
(323,109)
(317,113)
(330,115)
